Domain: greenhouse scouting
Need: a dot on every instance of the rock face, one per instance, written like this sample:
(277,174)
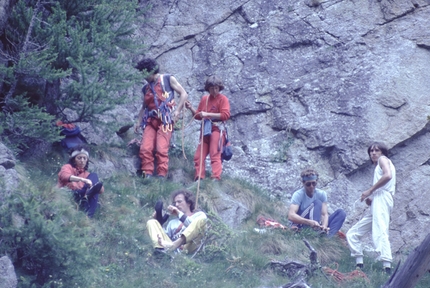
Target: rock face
(7,273)
(9,178)
(311,83)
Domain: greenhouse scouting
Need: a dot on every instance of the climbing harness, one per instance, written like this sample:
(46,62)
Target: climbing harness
(163,111)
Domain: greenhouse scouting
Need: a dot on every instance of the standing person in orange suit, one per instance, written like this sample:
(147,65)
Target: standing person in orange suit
(157,117)
(213,109)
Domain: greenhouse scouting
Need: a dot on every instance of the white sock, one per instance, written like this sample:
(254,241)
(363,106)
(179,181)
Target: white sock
(386,264)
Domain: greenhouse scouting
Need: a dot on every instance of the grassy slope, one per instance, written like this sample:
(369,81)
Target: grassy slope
(120,252)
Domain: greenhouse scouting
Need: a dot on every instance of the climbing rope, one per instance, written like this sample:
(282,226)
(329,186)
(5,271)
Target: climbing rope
(201,160)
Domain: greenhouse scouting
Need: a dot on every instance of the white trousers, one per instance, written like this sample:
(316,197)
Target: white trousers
(377,221)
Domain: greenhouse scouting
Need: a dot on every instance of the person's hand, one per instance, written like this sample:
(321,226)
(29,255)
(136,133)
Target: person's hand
(314,224)
(163,243)
(175,115)
(87,181)
(365,194)
(202,114)
(325,229)
(368,201)
(136,128)
(173,210)
(188,105)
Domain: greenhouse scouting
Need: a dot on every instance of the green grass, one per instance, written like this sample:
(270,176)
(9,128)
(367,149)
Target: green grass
(114,250)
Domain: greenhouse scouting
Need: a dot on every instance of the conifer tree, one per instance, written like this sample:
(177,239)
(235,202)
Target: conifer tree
(65,54)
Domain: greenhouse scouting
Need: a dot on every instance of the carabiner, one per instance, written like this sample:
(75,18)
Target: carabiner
(167,128)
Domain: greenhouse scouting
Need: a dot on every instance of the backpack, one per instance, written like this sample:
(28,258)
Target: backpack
(227,149)
(72,133)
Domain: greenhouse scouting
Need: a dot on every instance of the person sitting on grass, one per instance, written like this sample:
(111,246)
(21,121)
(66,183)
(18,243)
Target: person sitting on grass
(86,186)
(309,207)
(182,232)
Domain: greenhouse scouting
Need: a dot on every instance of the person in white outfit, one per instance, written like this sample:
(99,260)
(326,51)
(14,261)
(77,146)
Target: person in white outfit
(380,199)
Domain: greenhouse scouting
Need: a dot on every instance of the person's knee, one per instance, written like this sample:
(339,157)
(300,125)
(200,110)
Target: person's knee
(93,177)
(341,214)
(349,235)
(151,221)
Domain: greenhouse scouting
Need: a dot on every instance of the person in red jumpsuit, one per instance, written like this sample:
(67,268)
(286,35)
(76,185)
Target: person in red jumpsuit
(213,109)
(156,118)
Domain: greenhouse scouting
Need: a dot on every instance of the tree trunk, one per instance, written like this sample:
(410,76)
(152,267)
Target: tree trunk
(22,53)
(52,94)
(416,265)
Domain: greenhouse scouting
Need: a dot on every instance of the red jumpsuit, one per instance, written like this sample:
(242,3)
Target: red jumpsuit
(218,104)
(154,138)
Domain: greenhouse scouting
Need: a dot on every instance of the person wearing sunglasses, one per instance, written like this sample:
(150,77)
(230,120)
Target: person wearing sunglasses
(308,207)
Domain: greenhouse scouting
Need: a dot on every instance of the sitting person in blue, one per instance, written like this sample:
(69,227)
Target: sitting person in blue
(309,207)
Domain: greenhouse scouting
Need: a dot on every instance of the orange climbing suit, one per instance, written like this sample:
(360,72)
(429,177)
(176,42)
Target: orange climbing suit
(156,137)
(211,143)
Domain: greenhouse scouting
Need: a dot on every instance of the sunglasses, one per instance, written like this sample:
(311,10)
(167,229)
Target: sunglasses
(309,184)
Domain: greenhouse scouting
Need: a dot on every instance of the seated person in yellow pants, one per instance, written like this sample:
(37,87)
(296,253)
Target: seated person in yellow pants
(181,232)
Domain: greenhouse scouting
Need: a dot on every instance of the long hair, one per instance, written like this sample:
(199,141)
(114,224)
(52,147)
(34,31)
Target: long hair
(189,198)
(72,159)
(381,146)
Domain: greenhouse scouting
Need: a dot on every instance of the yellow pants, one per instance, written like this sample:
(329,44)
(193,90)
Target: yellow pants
(193,234)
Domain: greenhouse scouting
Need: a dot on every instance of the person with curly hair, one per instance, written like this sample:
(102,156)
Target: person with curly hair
(157,117)
(214,110)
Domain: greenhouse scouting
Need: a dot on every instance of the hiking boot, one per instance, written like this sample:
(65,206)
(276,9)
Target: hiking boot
(359,266)
(95,189)
(387,270)
(159,212)
(161,178)
(161,253)
(140,173)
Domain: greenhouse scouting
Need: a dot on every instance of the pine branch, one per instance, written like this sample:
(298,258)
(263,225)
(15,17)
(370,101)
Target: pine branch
(22,54)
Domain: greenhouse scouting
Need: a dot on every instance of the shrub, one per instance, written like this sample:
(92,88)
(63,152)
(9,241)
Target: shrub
(47,241)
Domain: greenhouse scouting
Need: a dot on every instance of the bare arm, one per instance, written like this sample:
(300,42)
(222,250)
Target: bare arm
(190,107)
(182,96)
(386,176)
(216,116)
(324,215)
(139,117)
(202,114)
(74,178)
(296,218)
